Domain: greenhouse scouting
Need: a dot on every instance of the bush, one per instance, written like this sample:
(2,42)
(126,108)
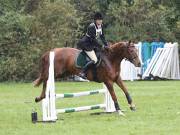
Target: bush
(24,38)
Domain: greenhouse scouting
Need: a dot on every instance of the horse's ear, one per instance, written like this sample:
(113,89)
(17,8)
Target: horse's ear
(129,43)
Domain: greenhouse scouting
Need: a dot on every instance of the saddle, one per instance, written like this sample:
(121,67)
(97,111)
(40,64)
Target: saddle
(82,58)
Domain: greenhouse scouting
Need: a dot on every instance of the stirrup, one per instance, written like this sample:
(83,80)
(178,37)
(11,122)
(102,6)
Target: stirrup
(82,75)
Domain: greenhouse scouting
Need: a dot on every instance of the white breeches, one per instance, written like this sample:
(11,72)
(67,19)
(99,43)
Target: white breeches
(92,56)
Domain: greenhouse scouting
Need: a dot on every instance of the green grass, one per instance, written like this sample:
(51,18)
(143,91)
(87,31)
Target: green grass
(158,110)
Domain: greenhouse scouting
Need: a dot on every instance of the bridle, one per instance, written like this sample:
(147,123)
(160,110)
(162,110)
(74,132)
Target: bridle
(131,59)
(134,57)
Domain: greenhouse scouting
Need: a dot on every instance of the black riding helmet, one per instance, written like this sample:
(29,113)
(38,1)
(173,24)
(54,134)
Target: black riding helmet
(98,16)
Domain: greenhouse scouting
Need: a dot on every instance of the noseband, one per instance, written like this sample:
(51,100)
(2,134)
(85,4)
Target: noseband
(131,59)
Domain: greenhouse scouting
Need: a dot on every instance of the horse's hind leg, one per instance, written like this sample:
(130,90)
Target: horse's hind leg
(43,95)
(120,83)
(38,81)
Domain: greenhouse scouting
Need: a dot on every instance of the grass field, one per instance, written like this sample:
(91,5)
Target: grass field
(158,110)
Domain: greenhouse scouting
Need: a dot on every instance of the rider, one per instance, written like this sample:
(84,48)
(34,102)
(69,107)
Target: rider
(91,40)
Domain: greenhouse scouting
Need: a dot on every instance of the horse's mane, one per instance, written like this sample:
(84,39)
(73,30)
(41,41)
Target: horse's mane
(115,49)
(117,45)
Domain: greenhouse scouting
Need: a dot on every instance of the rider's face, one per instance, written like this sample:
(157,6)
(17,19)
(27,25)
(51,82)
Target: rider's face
(98,22)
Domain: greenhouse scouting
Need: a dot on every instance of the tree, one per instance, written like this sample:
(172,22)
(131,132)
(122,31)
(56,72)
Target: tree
(56,24)
(140,21)
(25,37)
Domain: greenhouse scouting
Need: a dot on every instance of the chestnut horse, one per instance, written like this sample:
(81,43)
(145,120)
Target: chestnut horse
(108,71)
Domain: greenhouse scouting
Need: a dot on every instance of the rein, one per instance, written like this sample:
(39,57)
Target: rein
(131,59)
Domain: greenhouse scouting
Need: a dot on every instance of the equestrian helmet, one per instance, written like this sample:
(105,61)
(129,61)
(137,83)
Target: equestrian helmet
(98,16)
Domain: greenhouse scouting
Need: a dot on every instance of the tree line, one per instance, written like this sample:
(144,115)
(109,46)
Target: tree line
(28,28)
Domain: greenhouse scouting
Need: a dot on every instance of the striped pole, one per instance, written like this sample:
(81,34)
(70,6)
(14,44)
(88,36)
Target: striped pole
(79,94)
(78,109)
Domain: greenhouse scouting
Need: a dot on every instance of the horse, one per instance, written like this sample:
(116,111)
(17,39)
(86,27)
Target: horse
(108,70)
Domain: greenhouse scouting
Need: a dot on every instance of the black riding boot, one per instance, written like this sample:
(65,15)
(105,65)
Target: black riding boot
(83,73)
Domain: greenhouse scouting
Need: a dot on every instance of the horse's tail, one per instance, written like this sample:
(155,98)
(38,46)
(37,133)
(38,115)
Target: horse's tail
(42,73)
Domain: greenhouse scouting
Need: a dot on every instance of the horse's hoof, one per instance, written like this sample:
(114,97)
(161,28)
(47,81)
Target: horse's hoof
(121,113)
(133,108)
(37,99)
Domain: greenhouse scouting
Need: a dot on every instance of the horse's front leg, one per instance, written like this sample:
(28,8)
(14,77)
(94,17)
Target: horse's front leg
(109,85)
(120,83)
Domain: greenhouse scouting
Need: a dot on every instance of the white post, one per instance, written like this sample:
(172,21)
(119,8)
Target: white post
(48,104)
(108,101)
